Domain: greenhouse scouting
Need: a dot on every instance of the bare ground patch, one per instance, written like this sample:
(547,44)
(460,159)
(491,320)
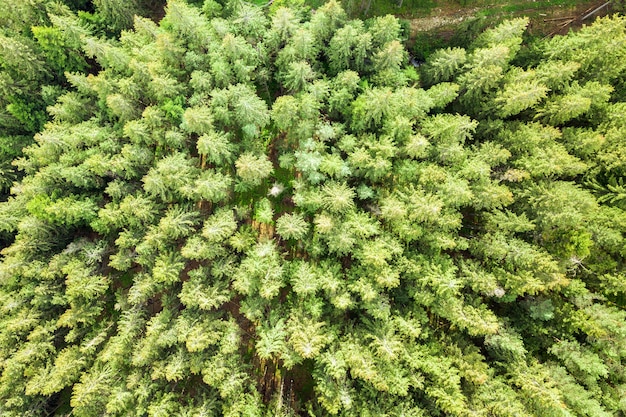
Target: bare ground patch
(546,19)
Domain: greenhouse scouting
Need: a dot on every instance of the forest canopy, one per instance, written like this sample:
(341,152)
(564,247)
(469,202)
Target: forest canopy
(248,211)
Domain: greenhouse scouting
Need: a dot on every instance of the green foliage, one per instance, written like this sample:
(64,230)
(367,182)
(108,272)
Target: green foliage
(117,14)
(41,44)
(252,168)
(57,50)
(444,64)
(241,213)
(292,226)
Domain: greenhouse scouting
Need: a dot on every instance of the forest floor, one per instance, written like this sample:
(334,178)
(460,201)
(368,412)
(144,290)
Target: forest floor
(547,17)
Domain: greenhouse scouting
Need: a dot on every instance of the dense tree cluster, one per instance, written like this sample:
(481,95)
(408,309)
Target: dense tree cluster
(240,213)
(41,40)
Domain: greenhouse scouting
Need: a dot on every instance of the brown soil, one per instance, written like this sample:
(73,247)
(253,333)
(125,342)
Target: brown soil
(441,19)
(558,21)
(544,21)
